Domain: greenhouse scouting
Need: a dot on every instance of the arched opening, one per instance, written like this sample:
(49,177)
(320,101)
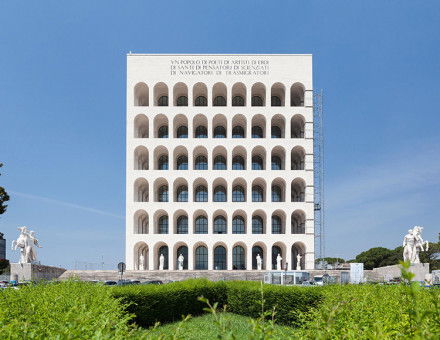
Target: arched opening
(161,158)
(277,158)
(277,126)
(200,222)
(200,124)
(239,126)
(200,187)
(200,94)
(219,94)
(298,190)
(219,158)
(258,94)
(258,250)
(219,190)
(278,190)
(161,126)
(161,222)
(219,124)
(140,190)
(141,126)
(163,250)
(161,94)
(298,253)
(180,156)
(161,189)
(180,126)
(220,222)
(180,222)
(220,258)
(141,94)
(297,158)
(298,221)
(239,190)
(180,93)
(258,126)
(200,158)
(239,158)
(238,94)
(201,258)
(278,222)
(258,158)
(277,94)
(182,250)
(258,222)
(278,249)
(141,158)
(140,222)
(180,189)
(239,257)
(141,256)
(297,126)
(259,190)
(297,94)
(239,222)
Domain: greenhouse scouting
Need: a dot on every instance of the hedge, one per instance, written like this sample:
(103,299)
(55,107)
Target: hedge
(167,303)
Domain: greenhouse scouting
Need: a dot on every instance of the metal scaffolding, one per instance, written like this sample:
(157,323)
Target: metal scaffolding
(318,163)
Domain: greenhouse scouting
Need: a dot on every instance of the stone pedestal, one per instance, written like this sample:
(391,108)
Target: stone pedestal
(34,272)
(420,270)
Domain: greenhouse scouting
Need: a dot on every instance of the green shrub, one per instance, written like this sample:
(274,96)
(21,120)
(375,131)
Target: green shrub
(166,303)
(288,302)
(68,310)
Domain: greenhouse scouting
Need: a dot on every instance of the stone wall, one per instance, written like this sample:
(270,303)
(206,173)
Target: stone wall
(34,272)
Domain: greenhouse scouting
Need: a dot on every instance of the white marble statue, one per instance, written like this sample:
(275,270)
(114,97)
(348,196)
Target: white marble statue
(279,259)
(180,260)
(161,261)
(259,262)
(298,262)
(413,244)
(141,262)
(26,242)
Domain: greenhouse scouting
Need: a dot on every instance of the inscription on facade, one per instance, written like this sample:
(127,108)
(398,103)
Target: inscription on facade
(219,67)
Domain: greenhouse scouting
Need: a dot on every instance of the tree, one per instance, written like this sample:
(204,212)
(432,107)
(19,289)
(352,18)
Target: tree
(4,197)
(375,257)
(330,260)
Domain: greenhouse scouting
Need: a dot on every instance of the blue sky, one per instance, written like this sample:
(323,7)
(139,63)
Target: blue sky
(62,110)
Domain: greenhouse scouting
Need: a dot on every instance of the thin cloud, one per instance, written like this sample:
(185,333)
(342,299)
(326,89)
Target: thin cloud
(66,204)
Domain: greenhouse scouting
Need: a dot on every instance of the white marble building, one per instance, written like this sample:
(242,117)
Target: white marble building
(219,161)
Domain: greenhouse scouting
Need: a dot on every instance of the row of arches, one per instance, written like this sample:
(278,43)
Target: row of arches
(237,192)
(220,256)
(219,127)
(219,158)
(219,94)
(219,223)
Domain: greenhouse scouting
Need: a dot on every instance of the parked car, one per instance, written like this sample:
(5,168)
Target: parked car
(110,283)
(153,282)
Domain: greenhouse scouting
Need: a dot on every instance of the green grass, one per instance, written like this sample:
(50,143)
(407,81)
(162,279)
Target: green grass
(206,327)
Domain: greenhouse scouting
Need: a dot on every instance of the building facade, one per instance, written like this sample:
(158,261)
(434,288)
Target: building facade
(2,247)
(219,162)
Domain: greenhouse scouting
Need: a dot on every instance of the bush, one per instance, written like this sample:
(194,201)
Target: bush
(68,310)
(166,303)
(288,302)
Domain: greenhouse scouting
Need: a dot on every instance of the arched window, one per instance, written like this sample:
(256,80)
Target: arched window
(163,101)
(220,194)
(142,224)
(163,193)
(257,163)
(220,226)
(275,251)
(182,132)
(201,258)
(276,225)
(238,194)
(201,225)
(219,101)
(220,258)
(182,193)
(201,101)
(182,163)
(182,225)
(238,132)
(298,224)
(257,132)
(163,162)
(257,194)
(238,225)
(276,131)
(276,163)
(276,193)
(163,132)
(201,163)
(275,101)
(219,163)
(257,250)
(163,224)
(164,251)
(184,251)
(201,194)
(238,163)
(182,101)
(257,101)
(238,101)
(201,132)
(219,132)
(257,225)
(238,259)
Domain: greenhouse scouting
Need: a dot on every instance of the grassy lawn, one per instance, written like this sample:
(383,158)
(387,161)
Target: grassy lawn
(205,327)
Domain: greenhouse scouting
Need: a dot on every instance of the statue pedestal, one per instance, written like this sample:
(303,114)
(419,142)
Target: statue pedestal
(34,272)
(387,273)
